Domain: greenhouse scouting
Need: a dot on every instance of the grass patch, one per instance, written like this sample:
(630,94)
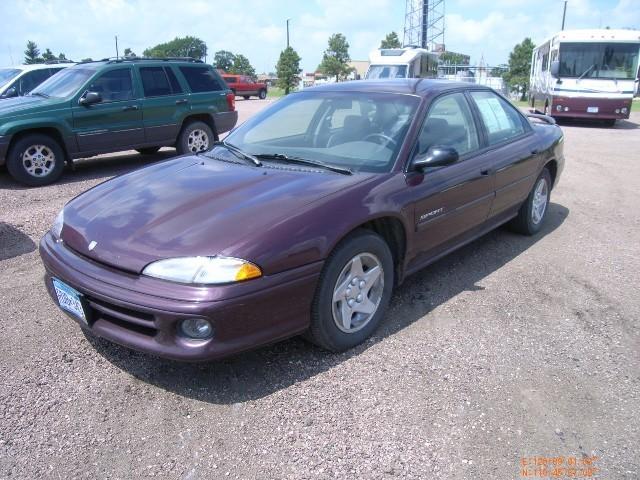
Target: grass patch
(635,105)
(275,92)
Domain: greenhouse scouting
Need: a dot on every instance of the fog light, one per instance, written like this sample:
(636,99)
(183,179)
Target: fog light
(566,109)
(617,110)
(197,328)
(559,108)
(624,110)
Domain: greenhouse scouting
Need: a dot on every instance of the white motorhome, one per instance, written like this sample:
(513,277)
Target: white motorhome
(409,62)
(586,74)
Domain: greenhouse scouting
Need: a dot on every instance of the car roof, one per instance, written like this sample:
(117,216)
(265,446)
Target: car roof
(414,86)
(40,66)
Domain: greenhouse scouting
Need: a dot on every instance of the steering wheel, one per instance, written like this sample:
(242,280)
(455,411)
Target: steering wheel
(388,140)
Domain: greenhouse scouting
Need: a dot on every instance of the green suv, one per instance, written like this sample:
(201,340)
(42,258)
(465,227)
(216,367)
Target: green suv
(109,106)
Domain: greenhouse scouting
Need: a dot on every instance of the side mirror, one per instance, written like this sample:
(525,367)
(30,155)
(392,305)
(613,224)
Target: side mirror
(89,98)
(435,157)
(10,93)
(554,69)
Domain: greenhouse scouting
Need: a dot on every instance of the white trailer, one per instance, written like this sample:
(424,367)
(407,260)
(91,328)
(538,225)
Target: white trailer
(586,74)
(409,62)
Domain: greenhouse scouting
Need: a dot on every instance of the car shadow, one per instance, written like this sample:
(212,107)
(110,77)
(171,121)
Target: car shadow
(13,242)
(100,167)
(261,372)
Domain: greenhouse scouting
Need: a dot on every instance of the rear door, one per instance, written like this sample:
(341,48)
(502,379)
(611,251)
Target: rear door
(116,122)
(511,146)
(208,93)
(164,104)
(454,199)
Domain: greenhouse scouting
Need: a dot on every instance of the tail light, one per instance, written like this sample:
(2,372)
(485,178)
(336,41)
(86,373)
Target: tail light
(231,101)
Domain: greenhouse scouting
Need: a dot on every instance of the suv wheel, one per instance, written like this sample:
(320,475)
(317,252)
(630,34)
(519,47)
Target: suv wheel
(195,137)
(353,292)
(262,94)
(36,160)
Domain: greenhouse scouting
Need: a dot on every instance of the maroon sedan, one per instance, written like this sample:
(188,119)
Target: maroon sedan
(302,220)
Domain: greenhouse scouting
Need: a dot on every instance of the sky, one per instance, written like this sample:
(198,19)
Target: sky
(257,28)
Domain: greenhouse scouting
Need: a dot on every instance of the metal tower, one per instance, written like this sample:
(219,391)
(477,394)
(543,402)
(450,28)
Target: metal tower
(424,24)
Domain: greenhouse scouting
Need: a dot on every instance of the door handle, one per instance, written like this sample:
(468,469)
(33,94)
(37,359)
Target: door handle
(181,102)
(128,108)
(486,173)
(535,151)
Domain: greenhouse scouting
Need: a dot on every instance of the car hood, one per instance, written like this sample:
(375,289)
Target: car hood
(16,106)
(188,206)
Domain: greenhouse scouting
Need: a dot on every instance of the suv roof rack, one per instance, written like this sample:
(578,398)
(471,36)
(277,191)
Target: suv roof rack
(151,59)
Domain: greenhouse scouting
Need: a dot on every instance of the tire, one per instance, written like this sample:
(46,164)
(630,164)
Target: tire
(246,97)
(328,328)
(233,91)
(36,160)
(148,150)
(195,137)
(262,94)
(532,213)
(611,122)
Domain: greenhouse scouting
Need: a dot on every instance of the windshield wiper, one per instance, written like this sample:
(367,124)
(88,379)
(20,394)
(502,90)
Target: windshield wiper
(304,161)
(239,153)
(586,71)
(38,94)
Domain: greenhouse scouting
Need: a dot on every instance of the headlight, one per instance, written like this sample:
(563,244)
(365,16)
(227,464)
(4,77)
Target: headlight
(208,270)
(56,228)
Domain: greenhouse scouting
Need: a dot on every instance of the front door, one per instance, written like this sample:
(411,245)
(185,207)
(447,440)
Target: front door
(115,123)
(454,199)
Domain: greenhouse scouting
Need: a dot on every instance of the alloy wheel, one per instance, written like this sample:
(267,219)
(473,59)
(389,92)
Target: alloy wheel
(38,160)
(197,141)
(540,200)
(358,292)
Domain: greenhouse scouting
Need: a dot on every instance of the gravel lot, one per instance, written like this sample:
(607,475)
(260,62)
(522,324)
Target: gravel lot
(511,347)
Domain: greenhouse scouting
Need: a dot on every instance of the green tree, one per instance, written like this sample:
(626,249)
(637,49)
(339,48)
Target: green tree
(453,58)
(88,59)
(223,60)
(241,65)
(288,69)
(179,47)
(62,57)
(32,54)
(336,57)
(129,53)
(391,41)
(48,55)
(517,77)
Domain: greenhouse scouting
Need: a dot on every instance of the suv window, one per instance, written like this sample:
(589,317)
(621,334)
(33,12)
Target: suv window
(114,85)
(173,80)
(501,119)
(31,80)
(201,79)
(154,82)
(229,79)
(449,124)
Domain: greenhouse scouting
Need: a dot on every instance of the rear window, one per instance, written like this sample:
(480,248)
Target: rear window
(155,82)
(201,79)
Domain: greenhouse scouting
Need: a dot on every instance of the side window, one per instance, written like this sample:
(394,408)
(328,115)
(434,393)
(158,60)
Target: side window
(155,82)
(173,80)
(449,123)
(201,79)
(114,85)
(31,80)
(500,119)
(545,62)
(229,79)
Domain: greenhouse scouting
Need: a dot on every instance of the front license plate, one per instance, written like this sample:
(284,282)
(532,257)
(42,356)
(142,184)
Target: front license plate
(592,109)
(69,299)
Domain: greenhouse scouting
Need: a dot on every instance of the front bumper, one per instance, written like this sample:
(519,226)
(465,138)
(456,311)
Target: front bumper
(273,308)
(5,140)
(578,107)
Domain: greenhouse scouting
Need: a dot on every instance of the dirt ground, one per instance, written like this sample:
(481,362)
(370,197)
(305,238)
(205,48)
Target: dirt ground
(509,349)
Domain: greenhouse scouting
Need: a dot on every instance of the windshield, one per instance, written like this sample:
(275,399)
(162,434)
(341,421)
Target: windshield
(599,60)
(64,83)
(7,74)
(387,71)
(354,130)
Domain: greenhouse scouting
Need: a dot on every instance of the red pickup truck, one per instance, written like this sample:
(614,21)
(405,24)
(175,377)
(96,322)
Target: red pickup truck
(244,86)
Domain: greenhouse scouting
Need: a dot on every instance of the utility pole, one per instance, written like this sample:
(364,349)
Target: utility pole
(288,32)
(117,53)
(564,14)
